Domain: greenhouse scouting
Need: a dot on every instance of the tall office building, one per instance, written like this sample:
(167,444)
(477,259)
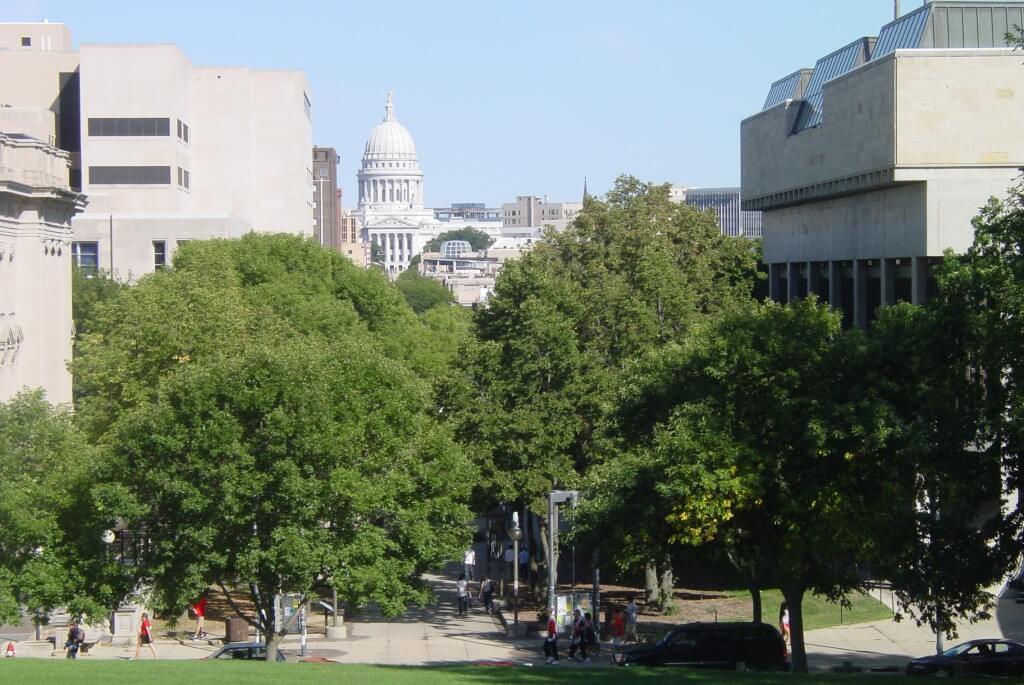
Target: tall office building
(732,219)
(165,151)
(326,199)
(869,166)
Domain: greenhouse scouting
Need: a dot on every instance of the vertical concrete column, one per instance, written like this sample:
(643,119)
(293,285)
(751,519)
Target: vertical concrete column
(813,278)
(835,284)
(775,282)
(792,281)
(888,276)
(918,280)
(860,293)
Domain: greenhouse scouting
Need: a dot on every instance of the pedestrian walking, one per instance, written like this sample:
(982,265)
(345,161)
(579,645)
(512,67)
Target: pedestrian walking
(524,563)
(469,562)
(618,628)
(487,593)
(632,612)
(577,639)
(462,594)
(199,609)
(145,636)
(551,640)
(76,636)
(784,624)
(590,634)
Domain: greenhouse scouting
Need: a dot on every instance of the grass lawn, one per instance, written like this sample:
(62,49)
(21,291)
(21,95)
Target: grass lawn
(36,671)
(819,612)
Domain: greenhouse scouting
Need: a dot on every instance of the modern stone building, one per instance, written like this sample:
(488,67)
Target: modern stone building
(533,211)
(326,198)
(166,151)
(869,166)
(732,219)
(36,207)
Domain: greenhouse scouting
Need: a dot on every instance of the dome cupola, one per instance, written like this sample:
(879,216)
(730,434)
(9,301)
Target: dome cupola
(389,140)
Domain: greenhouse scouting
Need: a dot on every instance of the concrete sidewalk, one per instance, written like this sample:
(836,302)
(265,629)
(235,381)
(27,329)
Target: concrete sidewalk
(888,644)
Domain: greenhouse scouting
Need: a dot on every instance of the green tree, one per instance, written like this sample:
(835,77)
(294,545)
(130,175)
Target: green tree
(422,293)
(88,289)
(50,550)
(268,382)
(477,239)
(633,273)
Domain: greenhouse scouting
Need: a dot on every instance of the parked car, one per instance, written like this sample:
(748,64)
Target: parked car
(974,657)
(712,645)
(244,650)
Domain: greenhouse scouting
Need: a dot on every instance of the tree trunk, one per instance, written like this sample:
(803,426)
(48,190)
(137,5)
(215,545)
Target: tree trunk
(651,583)
(666,590)
(543,570)
(755,602)
(798,652)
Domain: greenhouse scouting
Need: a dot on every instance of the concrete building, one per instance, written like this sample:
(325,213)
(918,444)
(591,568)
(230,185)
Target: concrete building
(732,219)
(530,210)
(470,275)
(36,207)
(166,151)
(350,237)
(326,197)
(476,212)
(869,166)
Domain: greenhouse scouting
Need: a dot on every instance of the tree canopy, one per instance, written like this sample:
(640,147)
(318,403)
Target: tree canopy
(422,293)
(477,239)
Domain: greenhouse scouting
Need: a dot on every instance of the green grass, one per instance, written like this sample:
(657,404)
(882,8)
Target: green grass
(820,613)
(83,672)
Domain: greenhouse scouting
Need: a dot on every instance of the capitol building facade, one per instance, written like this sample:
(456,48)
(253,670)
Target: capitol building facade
(390,183)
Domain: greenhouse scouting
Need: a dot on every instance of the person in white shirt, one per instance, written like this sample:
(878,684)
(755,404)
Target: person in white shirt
(632,611)
(524,563)
(462,593)
(468,562)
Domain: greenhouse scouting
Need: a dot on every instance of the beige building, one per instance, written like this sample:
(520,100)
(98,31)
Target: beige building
(166,151)
(36,207)
(532,211)
(349,238)
(869,166)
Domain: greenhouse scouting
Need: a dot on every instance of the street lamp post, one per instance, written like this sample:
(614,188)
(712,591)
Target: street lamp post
(516,534)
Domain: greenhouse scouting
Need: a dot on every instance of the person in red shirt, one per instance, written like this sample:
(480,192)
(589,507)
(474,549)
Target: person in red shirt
(199,609)
(551,641)
(145,636)
(618,628)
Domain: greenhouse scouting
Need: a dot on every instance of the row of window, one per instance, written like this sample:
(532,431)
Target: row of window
(184,178)
(86,255)
(135,126)
(137,175)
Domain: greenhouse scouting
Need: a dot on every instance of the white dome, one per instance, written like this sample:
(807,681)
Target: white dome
(389,140)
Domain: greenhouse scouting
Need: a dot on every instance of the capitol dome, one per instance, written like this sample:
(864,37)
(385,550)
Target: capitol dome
(389,140)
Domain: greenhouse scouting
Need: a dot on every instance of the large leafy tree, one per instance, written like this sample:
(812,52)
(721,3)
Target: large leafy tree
(633,273)
(51,554)
(268,406)
(476,238)
(422,293)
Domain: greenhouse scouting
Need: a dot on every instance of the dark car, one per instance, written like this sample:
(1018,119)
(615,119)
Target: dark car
(712,645)
(974,657)
(244,650)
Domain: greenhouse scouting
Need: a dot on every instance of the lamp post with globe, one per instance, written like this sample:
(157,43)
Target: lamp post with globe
(516,534)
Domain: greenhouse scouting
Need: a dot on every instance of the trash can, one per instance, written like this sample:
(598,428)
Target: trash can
(237,630)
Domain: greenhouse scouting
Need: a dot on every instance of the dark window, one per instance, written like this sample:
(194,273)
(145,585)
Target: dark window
(26,42)
(75,180)
(140,126)
(179,128)
(159,254)
(129,175)
(86,255)
(188,179)
(184,178)
(184,128)
(69,130)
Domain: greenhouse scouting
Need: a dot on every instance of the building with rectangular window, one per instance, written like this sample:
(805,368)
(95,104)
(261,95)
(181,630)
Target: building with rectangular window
(325,196)
(533,211)
(869,166)
(165,151)
(36,207)
(725,202)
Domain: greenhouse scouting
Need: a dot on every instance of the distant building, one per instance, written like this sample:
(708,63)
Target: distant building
(470,275)
(349,237)
(733,220)
(325,195)
(469,211)
(871,165)
(532,211)
(165,151)
(36,208)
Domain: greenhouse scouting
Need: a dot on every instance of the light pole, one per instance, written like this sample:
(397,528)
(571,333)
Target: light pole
(516,534)
(556,497)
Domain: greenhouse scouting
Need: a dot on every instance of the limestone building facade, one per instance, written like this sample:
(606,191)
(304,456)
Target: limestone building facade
(872,164)
(36,208)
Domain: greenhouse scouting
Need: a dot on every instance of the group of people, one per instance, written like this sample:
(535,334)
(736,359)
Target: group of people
(464,593)
(583,634)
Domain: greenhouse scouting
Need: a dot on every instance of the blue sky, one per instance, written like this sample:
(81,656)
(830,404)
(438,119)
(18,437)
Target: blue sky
(509,98)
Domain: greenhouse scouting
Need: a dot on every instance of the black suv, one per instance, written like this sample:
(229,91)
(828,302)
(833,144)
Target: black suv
(712,645)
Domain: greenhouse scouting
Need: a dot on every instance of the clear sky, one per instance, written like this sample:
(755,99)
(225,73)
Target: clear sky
(508,98)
